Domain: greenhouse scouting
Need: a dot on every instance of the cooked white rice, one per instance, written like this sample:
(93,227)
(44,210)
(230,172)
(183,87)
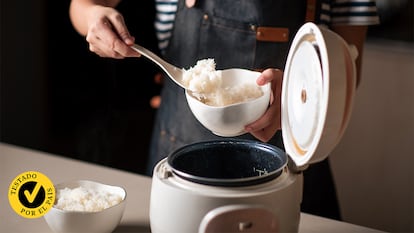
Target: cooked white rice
(86,200)
(206,84)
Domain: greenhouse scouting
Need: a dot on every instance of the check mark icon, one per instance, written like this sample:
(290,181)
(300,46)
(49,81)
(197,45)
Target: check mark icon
(31,196)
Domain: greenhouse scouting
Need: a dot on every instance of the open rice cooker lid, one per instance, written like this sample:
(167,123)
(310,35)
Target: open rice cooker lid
(317,93)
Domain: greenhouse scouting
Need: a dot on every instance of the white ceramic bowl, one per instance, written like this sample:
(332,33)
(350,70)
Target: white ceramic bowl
(230,120)
(106,220)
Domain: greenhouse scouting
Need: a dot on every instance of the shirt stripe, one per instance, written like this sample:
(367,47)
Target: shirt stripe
(354,12)
(165,11)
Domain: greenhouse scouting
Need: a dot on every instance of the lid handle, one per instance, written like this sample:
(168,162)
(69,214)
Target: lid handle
(353,51)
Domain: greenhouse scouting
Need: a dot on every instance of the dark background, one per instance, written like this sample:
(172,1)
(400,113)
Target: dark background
(57,97)
(397,21)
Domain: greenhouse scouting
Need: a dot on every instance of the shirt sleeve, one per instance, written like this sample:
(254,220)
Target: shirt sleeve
(349,12)
(164,21)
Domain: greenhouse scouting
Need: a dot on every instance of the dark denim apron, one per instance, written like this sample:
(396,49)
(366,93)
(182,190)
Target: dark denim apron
(226,30)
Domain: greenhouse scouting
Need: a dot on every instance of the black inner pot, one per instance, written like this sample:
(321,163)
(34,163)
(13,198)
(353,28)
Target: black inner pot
(228,163)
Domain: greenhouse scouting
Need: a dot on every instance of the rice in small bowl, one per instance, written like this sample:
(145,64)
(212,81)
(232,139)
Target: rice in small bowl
(225,101)
(86,206)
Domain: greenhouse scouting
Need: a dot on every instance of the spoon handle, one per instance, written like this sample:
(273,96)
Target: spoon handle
(173,72)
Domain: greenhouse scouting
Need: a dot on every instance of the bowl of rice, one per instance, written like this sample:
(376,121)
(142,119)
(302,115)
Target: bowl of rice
(225,101)
(86,206)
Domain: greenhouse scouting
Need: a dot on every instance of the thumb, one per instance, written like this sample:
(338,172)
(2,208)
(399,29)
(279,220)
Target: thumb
(122,30)
(126,37)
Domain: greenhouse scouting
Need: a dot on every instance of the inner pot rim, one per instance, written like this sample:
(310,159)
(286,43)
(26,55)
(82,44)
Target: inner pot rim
(274,152)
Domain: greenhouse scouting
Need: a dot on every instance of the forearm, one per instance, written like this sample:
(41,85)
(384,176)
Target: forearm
(80,10)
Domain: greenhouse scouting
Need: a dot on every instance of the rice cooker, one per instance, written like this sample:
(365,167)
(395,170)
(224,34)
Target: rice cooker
(234,185)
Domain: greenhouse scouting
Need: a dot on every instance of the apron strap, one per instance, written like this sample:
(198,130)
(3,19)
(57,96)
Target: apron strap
(310,10)
(272,34)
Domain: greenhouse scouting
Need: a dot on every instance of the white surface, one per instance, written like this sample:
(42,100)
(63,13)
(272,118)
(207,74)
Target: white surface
(15,160)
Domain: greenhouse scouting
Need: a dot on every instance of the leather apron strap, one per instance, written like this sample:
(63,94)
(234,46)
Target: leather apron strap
(276,34)
(310,10)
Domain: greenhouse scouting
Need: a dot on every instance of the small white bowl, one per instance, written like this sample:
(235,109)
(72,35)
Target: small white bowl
(63,221)
(230,120)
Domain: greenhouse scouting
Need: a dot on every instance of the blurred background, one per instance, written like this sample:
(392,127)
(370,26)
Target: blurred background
(57,97)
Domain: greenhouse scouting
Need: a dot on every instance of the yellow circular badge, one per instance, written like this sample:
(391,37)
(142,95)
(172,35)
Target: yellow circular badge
(31,194)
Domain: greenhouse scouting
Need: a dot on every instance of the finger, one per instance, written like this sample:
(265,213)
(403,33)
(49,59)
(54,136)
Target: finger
(103,31)
(268,124)
(96,45)
(124,39)
(269,75)
(102,49)
(103,37)
(105,53)
(109,35)
(270,117)
(121,29)
(262,135)
(100,34)
(266,133)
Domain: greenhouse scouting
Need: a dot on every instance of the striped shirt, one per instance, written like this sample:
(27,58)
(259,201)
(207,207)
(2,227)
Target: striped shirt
(164,21)
(333,12)
(349,12)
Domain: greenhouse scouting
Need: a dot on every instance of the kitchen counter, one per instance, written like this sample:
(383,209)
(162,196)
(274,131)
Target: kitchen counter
(16,160)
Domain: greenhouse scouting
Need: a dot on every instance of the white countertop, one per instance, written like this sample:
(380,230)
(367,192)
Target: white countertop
(15,160)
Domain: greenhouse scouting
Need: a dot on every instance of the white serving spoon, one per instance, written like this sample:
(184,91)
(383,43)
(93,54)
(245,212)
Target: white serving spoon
(176,74)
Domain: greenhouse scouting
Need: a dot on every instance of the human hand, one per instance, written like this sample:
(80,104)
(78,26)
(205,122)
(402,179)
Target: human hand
(267,125)
(107,35)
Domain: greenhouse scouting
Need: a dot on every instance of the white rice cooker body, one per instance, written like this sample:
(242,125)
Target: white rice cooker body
(178,205)
(317,96)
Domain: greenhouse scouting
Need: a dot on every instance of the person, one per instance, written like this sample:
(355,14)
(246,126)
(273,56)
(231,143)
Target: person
(230,31)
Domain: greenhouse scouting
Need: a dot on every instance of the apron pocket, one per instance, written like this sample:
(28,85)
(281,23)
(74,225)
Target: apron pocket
(227,42)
